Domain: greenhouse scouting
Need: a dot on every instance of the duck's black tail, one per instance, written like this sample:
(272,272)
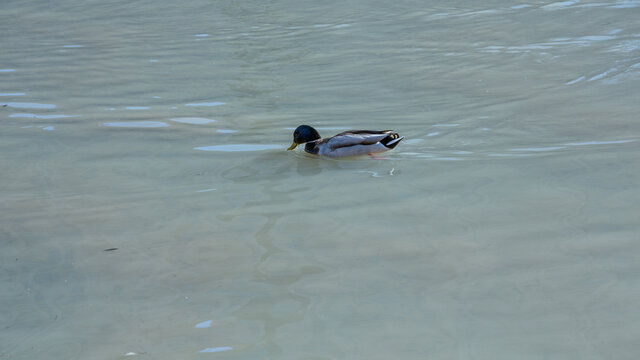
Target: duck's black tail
(392,140)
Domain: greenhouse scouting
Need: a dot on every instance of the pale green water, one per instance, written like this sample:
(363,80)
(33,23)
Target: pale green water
(505,226)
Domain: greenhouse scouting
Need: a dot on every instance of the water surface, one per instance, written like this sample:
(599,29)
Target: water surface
(149,208)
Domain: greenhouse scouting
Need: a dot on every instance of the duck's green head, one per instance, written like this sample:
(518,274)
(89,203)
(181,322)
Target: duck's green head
(303,134)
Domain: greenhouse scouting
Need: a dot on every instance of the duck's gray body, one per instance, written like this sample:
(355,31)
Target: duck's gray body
(345,144)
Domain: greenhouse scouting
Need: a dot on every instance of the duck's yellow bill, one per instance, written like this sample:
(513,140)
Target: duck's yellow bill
(293,146)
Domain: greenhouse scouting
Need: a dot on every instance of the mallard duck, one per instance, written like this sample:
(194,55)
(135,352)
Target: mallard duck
(348,143)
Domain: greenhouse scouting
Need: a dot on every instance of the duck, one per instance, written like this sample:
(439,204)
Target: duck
(345,144)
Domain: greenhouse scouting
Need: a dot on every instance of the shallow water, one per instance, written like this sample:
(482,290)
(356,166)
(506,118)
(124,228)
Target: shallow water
(149,209)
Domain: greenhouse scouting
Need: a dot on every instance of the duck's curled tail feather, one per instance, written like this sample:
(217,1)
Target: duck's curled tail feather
(391,140)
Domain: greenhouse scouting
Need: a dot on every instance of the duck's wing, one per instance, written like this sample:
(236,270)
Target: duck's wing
(356,137)
(366,132)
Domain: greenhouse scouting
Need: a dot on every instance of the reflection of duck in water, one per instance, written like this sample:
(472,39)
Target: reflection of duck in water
(348,143)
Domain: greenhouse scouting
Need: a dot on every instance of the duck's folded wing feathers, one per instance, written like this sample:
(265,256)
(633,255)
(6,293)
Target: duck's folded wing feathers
(365,132)
(351,138)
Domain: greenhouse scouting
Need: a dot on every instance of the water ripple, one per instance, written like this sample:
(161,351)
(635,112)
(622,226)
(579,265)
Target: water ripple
(204,324)
(540,149)
(215,103)
(559,5)
(239,147)
(192,120)
(601,142)
(137,124)
(29,105)
(34,116)
(626,5)
(216,349)
(602,75)
(577,80)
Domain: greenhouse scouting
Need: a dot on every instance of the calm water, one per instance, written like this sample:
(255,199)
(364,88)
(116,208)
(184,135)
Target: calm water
(505,226)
